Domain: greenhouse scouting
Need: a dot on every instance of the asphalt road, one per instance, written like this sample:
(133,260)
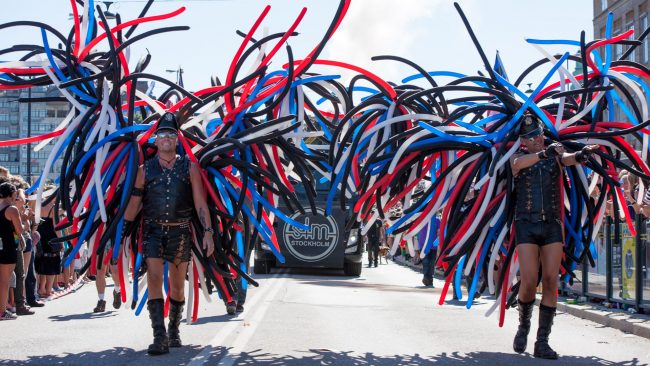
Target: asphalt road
(300,317)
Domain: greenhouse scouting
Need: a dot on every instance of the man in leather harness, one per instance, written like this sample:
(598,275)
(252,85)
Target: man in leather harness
(539,230)
(167,188)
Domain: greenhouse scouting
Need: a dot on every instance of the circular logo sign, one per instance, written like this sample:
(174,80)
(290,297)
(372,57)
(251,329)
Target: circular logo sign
(315,243)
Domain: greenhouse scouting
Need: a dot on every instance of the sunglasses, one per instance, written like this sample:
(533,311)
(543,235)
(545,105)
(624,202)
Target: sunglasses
(531,139)
(169,135)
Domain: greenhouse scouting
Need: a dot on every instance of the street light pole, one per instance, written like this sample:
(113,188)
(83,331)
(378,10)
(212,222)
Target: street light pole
(179,75)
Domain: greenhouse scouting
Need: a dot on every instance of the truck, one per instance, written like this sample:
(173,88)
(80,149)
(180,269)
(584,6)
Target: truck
(330,242)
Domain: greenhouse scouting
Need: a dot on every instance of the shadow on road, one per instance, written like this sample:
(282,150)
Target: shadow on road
(114,356)
(354,282)
(328,357)
(65,318)
(223,318)
(128,356)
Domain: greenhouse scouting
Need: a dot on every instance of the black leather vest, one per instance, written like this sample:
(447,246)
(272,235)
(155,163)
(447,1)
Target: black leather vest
(538,192)
(167,192)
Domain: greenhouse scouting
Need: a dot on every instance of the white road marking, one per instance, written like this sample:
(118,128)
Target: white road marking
(253,316)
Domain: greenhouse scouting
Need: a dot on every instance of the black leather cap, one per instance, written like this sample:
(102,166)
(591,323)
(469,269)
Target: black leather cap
(167,122)
(530,126)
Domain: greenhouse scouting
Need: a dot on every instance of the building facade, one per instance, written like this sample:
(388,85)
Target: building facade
(15,122)
(628,14)
(9,129)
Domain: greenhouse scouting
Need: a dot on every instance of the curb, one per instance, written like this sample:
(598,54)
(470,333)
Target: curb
(637,324)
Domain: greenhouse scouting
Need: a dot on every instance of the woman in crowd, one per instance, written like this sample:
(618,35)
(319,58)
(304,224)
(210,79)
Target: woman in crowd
(48,257)
(11,228)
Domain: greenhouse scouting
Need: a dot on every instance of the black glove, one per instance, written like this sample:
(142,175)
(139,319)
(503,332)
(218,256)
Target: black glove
(550,151)
(126,228)
(583,155)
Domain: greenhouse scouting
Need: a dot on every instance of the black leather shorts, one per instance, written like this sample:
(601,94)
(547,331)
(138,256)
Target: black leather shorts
(171,243)
(538,232)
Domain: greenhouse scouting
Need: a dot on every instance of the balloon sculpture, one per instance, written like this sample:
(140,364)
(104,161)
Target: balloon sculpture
(252,141)
(402,135)
(261,132)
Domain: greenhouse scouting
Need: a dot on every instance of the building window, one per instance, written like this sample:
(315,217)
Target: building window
(51,113)
(42,127)
(4,130)
(13,169)
(629,24)
(43,155)
(644,45)
(4,157)
(618,48)
(603,5)
(61,113)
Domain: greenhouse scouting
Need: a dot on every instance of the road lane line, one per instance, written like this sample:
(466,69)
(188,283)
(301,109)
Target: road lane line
(219,339)
(237,346)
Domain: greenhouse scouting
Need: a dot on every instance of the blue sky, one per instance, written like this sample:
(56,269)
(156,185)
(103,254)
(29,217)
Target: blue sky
(429,32)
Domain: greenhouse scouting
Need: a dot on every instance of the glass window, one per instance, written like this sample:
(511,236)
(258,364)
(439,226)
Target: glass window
(51,113)
(603,5)
(61,113)
(618,49)
(4,130)
(13,169)
(644,46)
(632,56)
(4,157)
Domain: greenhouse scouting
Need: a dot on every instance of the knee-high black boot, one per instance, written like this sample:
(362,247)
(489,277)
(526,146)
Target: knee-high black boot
(175,315)
(521,338)
(542,349)
(160,343)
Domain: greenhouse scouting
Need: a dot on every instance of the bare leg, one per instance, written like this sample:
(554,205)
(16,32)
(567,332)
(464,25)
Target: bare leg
(49,284)
(66,276)
(69,279)
(42,285)
(100,281)
(27,257)
(11,301)
(177,281)
(551,258)
(155,269)
(176,300)
(156,306)
(115,276)
(5,276)
(529,270)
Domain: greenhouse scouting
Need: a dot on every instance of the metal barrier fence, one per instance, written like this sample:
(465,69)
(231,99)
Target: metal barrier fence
(620,275)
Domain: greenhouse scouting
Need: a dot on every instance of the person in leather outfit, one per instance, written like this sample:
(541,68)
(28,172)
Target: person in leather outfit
(539,230)
(168,188)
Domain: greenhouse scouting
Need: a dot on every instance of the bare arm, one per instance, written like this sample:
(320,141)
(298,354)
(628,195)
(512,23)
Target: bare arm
(522,161)
(135,202)
(198,193)
(569,159)
(575,158)
(201,206)
(13,215)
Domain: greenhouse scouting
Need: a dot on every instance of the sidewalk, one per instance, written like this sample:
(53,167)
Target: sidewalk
(637,324)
